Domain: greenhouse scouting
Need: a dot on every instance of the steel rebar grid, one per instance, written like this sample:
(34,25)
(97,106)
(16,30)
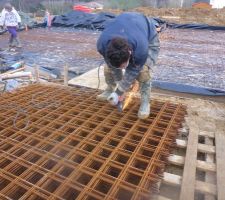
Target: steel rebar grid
(60,143)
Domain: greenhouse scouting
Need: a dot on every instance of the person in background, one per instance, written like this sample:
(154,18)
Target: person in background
(47,19)
(130,42)
(11,20)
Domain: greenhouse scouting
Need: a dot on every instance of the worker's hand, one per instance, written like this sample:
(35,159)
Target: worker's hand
(114,99)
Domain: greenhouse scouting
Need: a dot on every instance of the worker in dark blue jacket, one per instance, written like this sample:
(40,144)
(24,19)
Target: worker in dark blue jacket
(129,42)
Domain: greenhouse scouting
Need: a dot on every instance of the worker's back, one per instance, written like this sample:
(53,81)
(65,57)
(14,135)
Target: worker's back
(135,28)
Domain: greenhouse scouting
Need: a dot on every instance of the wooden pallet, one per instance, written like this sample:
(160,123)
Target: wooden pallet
(205,153)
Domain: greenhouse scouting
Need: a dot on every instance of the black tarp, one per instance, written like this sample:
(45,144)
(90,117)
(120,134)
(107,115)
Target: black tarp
(177,87)
(196,26)
(97,21)
(78,19)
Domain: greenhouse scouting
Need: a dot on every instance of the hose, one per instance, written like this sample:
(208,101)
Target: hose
(101,63)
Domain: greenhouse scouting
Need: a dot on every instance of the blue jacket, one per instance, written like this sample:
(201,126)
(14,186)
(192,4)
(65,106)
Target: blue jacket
(139,32)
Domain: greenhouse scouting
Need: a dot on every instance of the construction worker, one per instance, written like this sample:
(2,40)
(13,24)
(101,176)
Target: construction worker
(129,42)
(11,19)
(47,19)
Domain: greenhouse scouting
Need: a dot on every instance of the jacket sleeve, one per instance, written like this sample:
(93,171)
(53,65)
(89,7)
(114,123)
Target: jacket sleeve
(17,16)
(132,72)
(129,77)
(100,47)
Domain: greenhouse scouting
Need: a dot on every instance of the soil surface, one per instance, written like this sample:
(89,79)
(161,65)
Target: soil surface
(192,57)
(181,15)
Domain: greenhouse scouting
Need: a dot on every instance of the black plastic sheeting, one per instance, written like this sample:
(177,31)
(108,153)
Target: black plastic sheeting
(78,19)
(196,26)
(187,88)
(2,31)
(98,21)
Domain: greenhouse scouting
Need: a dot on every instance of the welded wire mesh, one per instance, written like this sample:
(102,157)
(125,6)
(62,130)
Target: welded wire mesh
(60,143)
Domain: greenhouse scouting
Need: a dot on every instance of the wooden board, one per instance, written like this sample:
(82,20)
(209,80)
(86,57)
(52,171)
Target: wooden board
(220,163)
(187,186)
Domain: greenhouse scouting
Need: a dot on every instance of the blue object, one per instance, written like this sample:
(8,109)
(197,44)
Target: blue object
(134,27)
(16,65)
(187,88)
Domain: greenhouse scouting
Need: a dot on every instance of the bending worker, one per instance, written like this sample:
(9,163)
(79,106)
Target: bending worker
(11,19)
(130,42)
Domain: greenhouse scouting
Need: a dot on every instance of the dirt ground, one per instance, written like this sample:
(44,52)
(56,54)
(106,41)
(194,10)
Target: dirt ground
(181,15)
(192,57)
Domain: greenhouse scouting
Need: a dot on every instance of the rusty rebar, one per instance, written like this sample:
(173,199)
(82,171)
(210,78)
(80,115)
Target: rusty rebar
(75,147)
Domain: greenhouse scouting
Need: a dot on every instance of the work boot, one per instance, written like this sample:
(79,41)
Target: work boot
(10,42)
(104,96)
(144,110)
(18,43)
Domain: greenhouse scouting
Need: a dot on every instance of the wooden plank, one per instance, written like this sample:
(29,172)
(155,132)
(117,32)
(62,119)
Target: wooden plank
(200,186)
(16,75)
(206,166)
(201,147)
(66,68)
(210,176)
(162,198)
(13,71)
(205,188)
(37,75)
(172,179)
(207,134)
(220,164)
(201,165)
(181,143)
(204,148)
(188,186)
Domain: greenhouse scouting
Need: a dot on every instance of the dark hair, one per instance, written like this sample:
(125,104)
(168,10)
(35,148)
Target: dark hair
(8,6)
(117,51)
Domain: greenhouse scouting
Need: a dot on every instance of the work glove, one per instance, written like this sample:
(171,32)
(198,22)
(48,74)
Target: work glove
(114,99)
(1,27)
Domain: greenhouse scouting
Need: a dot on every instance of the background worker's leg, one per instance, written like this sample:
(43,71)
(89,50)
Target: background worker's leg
(144,79)
(111,76)
(18,43)
(11,41)
(14,38)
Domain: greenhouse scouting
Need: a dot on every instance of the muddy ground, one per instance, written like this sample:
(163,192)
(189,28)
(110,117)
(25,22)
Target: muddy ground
(193,57)
(53,48)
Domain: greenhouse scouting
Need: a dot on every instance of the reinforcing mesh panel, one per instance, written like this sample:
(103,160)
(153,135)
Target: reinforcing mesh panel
(61,143)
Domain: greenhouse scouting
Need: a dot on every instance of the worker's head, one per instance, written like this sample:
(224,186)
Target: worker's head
(118,53)
(8,6)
